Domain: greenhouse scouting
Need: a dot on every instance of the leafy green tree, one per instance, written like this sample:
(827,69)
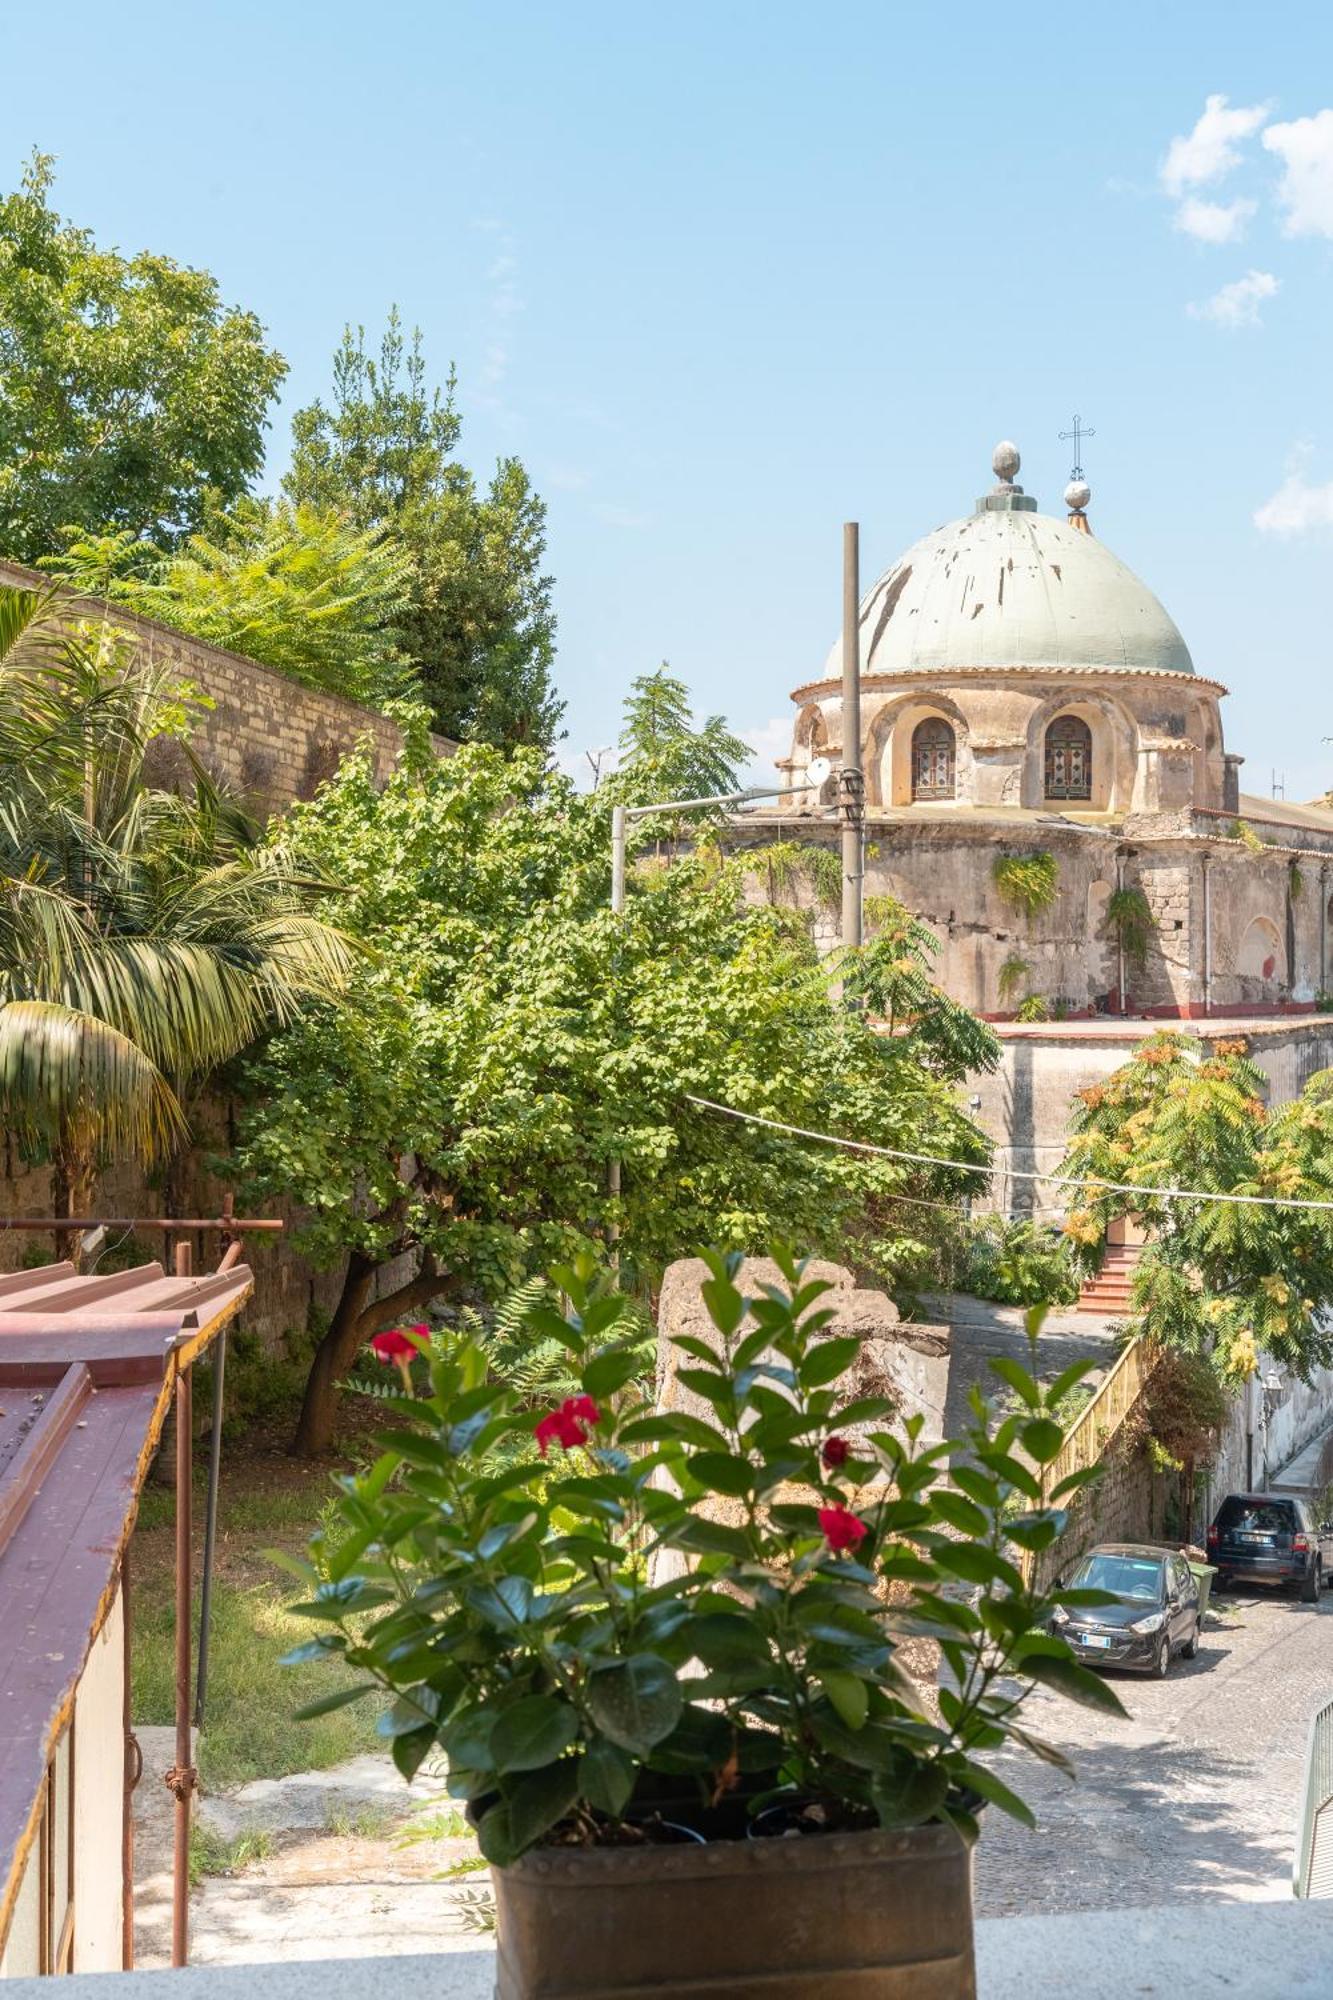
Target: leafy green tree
(477,627)
(664,754)
(508,1036)
(1221,1279)
(146,934)
(128,392)
(298,588)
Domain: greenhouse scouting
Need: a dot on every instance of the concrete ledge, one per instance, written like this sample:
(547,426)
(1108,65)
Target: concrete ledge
(1263,1951)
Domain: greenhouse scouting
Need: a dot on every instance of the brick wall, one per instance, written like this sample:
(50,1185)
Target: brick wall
(267,737)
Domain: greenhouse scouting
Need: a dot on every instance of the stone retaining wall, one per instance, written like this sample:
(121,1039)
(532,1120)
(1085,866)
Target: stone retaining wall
(268,737)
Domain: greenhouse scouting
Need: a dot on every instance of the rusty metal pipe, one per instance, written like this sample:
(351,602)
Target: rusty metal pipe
(230,1225)
(181,1778)
(210,1527)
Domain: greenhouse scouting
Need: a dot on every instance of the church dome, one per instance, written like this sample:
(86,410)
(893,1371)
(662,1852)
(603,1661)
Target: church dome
(1009,587)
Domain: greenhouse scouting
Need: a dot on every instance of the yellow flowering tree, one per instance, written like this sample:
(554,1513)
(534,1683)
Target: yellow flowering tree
(1225,1279)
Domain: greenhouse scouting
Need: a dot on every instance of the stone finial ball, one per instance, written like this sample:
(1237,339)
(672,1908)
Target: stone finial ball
(1077,495)
(1005,460)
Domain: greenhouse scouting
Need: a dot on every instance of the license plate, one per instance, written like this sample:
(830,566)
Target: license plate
(1254,1541)
(1096,1639)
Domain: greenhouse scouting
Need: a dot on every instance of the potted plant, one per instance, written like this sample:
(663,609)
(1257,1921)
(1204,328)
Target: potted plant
(660,1652)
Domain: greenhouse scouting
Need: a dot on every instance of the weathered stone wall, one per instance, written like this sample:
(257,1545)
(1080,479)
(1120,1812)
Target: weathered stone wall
(268,737)
(1026,1104)
(1127,1504)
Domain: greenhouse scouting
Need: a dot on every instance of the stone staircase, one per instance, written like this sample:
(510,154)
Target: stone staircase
(1108,1292)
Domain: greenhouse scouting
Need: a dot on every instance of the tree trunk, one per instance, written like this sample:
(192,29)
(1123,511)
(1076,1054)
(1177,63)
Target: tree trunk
(73,1191)
(354,1321)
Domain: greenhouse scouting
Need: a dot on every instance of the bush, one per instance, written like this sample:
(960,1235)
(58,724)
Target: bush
(1019,1263)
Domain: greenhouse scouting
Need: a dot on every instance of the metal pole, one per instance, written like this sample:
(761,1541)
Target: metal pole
(210,1527)
(853,781)
(619,823)
(1120,939)
(181,1778)
(1207,938)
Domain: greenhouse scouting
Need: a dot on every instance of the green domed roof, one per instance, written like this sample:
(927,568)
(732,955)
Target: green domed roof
(1009,587)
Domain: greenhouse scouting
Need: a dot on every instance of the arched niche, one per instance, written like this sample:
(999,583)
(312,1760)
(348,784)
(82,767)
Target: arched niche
(889,750)
(934,759)
(1111,746)
(1261,960)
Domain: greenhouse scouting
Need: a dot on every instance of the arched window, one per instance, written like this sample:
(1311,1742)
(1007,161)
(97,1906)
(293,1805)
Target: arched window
(1068,759)
(932,760)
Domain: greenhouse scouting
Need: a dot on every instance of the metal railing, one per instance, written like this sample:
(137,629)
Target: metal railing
(1098,1421)
(1312,1872)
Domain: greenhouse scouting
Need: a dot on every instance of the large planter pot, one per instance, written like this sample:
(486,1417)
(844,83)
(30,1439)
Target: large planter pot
(845,1916)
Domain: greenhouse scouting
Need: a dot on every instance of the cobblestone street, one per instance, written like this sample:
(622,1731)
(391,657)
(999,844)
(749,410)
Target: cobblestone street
(1196,1794)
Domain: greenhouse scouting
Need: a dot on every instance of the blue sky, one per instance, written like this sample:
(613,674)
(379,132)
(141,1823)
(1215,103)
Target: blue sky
(727,275)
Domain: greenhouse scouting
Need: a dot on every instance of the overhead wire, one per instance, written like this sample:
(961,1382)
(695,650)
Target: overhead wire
(1081,1181)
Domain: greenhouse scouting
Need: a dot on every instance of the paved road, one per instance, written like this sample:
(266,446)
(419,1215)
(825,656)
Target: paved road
(979,1329)
(1195,1795)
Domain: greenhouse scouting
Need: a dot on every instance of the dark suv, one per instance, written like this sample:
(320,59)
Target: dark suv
(1271,1538)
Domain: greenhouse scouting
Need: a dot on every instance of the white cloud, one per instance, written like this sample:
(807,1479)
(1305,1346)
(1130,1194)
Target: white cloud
(613,516)
(1209,152)
(769,741)
(1297,507)
(1237,304)
(1305,148)
(1214,221)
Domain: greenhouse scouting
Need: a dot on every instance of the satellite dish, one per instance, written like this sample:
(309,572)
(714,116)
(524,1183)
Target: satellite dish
(817,770)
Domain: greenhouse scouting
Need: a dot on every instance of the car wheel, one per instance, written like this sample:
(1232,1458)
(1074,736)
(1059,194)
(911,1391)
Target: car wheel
(1310,1586)
(1162,1658)
(1191,1650)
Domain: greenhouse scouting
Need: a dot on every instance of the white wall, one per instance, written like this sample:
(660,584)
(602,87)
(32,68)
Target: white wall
(99,1790)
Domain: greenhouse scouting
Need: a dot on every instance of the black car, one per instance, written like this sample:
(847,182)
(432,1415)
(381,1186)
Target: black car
(1271,1538)
(1155,1615)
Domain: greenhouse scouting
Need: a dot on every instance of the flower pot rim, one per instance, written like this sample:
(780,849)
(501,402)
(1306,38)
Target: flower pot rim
(594,1867)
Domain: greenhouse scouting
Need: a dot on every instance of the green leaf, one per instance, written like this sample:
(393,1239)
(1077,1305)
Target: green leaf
(613,1368)
(338,1699)
(532,1733)
(827,1360)
(848,1694)
(916,1797)
(721,1472)
(1042,1439)
(959,1512)
(1018,1378)
(726,1306)
(411,1750)
(724,1639)
(982,1779)
(975,1564)
(606,1777)
(538,1800)
(1067,1677)
(636,1702)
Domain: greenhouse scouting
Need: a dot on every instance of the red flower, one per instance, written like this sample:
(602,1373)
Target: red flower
(567,1426)
(393,1344)
(836,1452)
(842,1529)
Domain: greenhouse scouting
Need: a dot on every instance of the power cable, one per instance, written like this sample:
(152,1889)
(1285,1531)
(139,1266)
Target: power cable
(1089,1181)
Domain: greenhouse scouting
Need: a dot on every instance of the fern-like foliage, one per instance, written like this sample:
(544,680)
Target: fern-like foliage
(1013,977)
(1026,882)
(1129,915)
(789,862)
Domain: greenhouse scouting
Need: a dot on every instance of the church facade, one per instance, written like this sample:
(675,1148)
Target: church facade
(1049,789)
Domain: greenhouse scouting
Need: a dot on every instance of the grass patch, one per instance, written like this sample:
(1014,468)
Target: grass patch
(267,1501)
(249,1729)
(211,1854)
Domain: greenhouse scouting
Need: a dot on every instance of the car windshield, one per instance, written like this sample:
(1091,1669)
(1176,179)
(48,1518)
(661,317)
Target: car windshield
(1137,1578)
(1265,1517)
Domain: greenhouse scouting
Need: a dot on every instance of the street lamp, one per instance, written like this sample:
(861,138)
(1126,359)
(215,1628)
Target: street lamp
(621,816)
